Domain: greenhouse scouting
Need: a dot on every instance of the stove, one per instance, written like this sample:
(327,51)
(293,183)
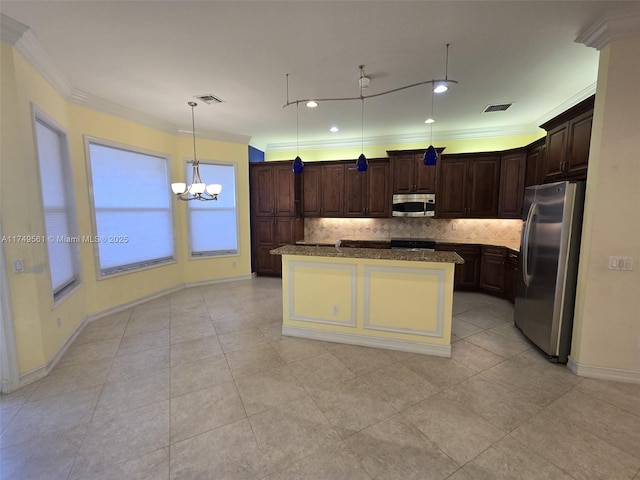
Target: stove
(413,244)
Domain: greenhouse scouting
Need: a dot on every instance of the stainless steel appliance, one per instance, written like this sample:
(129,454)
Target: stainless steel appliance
(548,265)
(414,205)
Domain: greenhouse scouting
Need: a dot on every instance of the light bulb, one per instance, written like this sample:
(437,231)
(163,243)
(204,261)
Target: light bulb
(214,189)
(179,188)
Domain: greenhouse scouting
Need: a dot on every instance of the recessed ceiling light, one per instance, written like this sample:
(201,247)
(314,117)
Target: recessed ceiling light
(312,104)
(334,129)
(429,120)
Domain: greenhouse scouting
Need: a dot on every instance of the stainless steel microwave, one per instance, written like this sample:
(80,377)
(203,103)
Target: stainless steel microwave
(414,205)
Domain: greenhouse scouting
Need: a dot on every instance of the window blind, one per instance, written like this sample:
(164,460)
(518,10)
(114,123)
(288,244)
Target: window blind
(213,225)
(131,199)
(56,187)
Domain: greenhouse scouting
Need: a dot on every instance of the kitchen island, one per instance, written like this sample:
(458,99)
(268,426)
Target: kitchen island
(393,299)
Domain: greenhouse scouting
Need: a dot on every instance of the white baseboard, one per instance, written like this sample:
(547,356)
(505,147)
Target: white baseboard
(42,371)
(603,373)
(368,341)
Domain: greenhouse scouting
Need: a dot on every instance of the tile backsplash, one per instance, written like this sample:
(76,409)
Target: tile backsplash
(333,229)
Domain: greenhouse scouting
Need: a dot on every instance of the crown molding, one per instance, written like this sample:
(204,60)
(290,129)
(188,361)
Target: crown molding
(567,104)
(473,133)
(11,30)
(25,42)
(601,33)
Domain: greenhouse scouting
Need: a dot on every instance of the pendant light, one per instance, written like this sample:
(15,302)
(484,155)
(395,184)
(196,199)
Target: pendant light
(298,164)
(198,190)
(362,164)
(430,155)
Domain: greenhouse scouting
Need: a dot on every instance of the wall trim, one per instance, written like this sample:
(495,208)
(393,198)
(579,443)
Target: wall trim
(351,267)
(440,274)
(599,34)
(368,341)
(603,373)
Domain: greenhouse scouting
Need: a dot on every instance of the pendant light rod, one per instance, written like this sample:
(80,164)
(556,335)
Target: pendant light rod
(197,190)
(445,80)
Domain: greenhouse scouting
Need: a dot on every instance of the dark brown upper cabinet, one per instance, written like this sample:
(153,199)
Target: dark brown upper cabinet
(367,194)
(409,173)
(468,186)
(275,190)
(323,189)
(512,177)
(567,143)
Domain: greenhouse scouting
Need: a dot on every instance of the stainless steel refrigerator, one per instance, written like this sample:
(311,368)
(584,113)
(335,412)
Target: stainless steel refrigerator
(548,265)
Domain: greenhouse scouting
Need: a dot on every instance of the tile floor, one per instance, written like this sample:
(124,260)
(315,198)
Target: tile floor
(201,385)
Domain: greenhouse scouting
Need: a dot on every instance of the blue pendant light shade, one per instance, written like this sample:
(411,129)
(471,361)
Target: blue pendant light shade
(362,164)
(298,165)
(430,156)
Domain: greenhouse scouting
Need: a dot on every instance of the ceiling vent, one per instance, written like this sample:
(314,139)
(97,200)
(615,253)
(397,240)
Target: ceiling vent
(499,107)
(209,98)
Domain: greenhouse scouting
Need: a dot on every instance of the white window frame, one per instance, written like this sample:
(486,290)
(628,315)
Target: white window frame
(213,253)
(138,267)
(38,116)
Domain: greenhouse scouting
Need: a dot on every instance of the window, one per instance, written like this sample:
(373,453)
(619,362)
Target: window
(59,218)
(213,225)
(132,208)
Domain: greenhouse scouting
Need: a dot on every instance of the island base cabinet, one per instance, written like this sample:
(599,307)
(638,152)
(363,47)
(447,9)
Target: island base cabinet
(406,305)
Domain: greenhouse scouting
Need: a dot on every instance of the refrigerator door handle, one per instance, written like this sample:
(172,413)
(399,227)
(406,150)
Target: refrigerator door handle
(527,234)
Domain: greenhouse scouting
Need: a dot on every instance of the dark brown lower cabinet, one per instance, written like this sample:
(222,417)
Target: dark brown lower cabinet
(270,233)
(467,275)
(511,275)
(492,271)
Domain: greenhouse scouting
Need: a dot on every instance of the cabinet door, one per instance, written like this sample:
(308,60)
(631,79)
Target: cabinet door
(511,275)
(425,175)
(284,191)
(379,196)
(467,275)
(402,171)
(556,153)
(450,198)
(493,270)
(535,165)
(332,190)
(311,192)
(482,187)
(579,140)
(263,243)
(262,190)
(512,173)
(355,193)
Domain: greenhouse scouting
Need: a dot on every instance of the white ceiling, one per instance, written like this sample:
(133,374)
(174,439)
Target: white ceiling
(154,56)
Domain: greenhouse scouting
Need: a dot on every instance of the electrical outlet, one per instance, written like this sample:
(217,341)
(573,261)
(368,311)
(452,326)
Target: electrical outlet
(233,264)
(335,310)
(59,321)
(18,265)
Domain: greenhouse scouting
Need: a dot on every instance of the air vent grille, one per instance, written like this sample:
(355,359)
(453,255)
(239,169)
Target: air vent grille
(499,107)
(209,98)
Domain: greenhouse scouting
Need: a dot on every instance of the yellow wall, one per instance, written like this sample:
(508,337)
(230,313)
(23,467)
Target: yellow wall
(380,151)
(607,320)
(38,337)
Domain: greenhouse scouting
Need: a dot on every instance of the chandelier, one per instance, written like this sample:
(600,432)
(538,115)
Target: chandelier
(198,190)
(437,86)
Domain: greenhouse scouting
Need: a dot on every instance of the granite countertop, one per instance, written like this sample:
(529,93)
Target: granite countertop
(369,253)
(515,246)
